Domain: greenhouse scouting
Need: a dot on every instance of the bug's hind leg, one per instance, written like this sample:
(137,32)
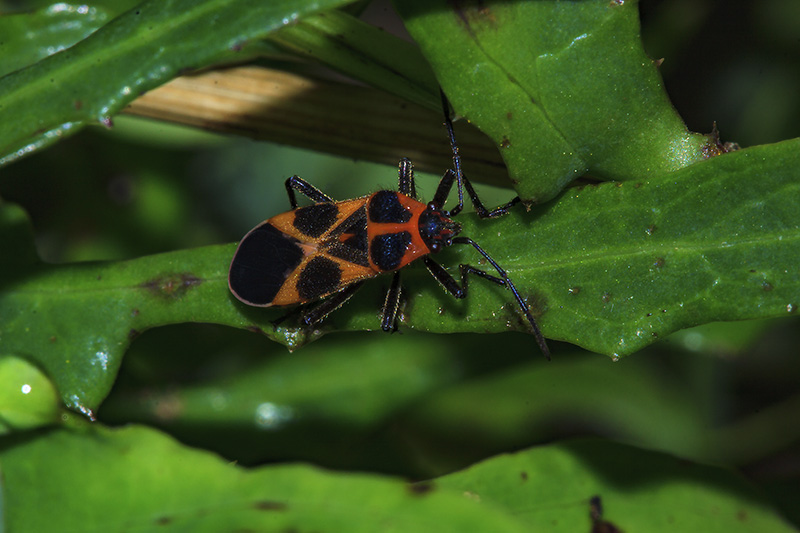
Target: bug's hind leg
(317,313)
(333,302)
(296,183)
(405,172)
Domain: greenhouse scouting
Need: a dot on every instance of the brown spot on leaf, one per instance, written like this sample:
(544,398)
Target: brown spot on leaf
(172,285)
(255,329)
(421,488)
(267,505)
(472,13)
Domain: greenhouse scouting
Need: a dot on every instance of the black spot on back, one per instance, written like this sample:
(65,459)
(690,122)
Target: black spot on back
(384,206)
(355,231)
(343,250)
(314,220)
(320,277)
(262,263)
(387,250)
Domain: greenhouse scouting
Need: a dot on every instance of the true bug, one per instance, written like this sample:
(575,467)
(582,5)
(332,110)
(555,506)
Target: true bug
(325,251)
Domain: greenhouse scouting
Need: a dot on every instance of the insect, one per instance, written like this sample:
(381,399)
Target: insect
(325,251)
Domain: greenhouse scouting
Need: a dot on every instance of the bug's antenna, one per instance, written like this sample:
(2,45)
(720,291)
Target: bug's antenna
(448,123)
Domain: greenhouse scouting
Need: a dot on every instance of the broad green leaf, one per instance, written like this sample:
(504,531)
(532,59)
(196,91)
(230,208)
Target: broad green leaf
(137,479)
(633,401)
(612,268)
(550,489)
(522,404)
(615,267)
(331,383)
(137,51)
(564,88)
(77,320)
(338,403)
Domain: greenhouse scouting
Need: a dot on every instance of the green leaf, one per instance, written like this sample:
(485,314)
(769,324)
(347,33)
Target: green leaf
(138,479)
(615,267)
(550,488)
(135,52)
(330,404)
(564,88)
(330,382)
(611,268)
(77,320)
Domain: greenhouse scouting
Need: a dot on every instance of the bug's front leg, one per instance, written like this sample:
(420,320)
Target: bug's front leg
(450,284)
(460,291)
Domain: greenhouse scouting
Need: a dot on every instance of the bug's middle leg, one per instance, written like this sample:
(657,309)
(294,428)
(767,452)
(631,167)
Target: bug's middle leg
(391,305)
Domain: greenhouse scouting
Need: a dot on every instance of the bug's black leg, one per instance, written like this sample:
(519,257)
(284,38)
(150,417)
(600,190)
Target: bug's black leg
(443,190)
(460,291)
(460,178)
(406,183)
(508,283)
(450,284)
(296,183)
(391,305)
(482,211)
(332,303)
(458,174)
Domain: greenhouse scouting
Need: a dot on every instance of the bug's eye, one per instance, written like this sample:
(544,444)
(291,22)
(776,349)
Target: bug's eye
(435,247)
(432,206)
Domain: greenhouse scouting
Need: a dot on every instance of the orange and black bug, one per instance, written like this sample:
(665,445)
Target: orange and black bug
(325,251)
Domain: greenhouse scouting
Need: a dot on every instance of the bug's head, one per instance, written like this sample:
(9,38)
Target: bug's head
(436,229)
